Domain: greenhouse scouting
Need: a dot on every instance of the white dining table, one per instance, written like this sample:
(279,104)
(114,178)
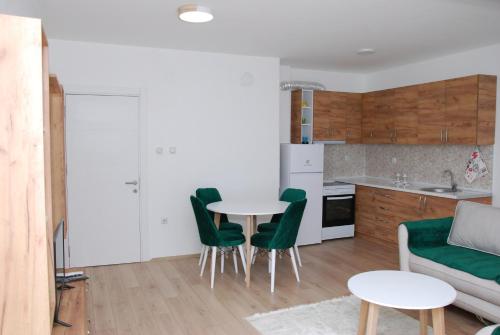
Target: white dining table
(250,209)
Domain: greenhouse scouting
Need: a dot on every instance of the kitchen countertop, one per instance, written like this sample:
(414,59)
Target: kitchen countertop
(414,188)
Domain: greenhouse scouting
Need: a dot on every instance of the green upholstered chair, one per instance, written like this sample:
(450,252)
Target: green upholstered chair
(283,238)
(289,195)
(215,239)
(207,196)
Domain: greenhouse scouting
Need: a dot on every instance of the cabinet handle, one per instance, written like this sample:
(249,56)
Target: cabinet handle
(395,134)
(420,204)
(425,204)
(446,135)
(441,135)
(371,133)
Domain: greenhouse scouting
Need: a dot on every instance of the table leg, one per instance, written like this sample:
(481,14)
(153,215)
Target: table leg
(249,228)
(371,323)
(217,219)
(438,321)
(363,315)
(424,320)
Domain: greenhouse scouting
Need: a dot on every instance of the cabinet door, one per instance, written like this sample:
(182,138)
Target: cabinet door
(437,207)
(461,110)
(368,117)
(431,112)
(486,110)
(295,124)
(394,207)
(365,211)
(353,118)
(329,116)
(384,117)
(406,115)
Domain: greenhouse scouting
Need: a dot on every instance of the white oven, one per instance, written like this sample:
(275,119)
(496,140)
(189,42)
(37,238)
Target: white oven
(338,210)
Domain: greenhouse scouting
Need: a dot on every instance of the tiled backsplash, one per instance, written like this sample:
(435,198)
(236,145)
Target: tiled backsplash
(344,160)
(422,163)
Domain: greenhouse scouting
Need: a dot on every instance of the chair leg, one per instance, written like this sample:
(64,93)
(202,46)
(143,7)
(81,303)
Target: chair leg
(201,254)
(297,254)
(235,261)
(269,262)
(254,254)
(205,256)
(214,260)
(222,258)
(273,268)
(294,265)
(243,260)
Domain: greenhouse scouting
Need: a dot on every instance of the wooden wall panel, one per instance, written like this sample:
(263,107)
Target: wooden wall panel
(58,159)
(24,256)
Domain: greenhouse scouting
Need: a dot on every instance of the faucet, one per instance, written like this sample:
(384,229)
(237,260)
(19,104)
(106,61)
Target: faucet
(452,179)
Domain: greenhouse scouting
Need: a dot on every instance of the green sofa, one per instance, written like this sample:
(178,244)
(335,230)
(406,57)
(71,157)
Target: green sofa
(423,248)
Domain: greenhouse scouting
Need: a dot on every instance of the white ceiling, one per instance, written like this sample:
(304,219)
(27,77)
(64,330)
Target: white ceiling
(320,34)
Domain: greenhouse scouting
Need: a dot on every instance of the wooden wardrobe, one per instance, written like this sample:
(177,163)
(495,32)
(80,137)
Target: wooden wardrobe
(32,177)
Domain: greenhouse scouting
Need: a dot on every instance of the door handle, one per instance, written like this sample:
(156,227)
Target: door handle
(133,182)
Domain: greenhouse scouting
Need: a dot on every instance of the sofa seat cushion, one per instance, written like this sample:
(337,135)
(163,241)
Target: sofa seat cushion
(477,263)
(487,290)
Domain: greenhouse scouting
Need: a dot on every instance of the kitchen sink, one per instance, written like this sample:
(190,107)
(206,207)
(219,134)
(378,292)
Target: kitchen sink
(439,189)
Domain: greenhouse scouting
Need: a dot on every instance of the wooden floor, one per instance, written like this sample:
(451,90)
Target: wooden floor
(167,296)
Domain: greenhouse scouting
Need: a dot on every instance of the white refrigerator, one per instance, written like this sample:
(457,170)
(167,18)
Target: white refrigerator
(301,166)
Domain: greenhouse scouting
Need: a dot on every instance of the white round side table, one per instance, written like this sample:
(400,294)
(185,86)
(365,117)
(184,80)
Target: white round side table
(404,290)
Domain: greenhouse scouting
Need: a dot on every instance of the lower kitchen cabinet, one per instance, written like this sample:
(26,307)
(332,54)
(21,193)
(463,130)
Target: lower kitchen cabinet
(379,211)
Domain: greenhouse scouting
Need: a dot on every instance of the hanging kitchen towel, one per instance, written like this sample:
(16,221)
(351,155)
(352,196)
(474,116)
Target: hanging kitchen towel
(476,167)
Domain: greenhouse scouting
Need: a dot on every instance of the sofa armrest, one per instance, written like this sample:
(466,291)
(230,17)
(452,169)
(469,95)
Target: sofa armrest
(428,233)
(404,252)
(424,233)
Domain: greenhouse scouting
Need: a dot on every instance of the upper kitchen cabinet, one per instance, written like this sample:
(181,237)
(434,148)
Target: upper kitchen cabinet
(457,111)
(329,121)
(405,115)
(431,112)
(354,113)
(378,120)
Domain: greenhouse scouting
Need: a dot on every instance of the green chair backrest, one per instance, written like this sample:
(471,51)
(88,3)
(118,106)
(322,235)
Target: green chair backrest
(293,194)
(289,195)
(288,228)
(209,195)
(209,235)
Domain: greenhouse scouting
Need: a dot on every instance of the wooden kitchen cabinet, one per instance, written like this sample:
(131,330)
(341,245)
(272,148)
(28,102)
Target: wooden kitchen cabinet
(379,211)
(329,120)
(431,112)
(378,117)
(457,111)
(353,118)
(405,114)
(296,114)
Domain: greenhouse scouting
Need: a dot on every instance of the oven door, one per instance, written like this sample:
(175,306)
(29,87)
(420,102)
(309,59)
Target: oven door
(338,210)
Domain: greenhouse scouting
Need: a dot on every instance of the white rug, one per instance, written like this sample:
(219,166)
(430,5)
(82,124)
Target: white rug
(333,317)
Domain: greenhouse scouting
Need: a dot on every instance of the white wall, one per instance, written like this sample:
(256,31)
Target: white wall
(30,8)
(225,129)
(478,61)
(334,81)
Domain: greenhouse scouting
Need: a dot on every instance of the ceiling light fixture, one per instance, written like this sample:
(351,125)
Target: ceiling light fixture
(366,51)
(195,13)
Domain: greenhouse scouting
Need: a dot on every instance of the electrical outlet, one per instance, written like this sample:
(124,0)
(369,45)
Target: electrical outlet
(164,220)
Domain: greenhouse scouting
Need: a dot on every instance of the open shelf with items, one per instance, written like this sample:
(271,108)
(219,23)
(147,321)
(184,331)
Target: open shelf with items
(302,116)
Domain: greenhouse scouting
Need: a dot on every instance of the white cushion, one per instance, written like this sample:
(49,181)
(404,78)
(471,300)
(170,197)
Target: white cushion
(476,226)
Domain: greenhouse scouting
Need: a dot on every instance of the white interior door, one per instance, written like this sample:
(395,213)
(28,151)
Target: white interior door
(102,144)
